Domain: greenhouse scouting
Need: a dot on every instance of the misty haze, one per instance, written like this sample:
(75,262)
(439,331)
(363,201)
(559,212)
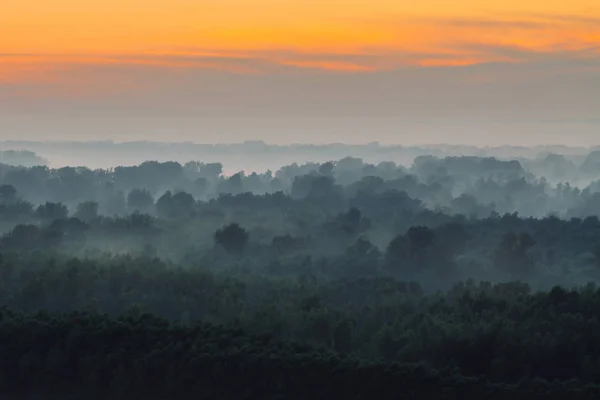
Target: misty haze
(292,200)
(207,256)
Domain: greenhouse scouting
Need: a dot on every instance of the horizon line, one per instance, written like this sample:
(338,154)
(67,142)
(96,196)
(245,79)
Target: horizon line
(297,144)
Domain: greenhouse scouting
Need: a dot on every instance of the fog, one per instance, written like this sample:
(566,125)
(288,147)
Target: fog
(548,101)
(258,156)
(235,199)
(295,258)
(480,130)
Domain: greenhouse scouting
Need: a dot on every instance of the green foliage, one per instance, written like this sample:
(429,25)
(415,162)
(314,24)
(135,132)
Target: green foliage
(232,238)
(475,340)
(140,200)
(87,211)
(336,280)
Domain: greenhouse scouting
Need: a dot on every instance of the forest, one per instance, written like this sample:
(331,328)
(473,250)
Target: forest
(452,277)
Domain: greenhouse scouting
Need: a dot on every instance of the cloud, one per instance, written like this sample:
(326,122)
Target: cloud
(330,66)
(546,19)
(520,21)
(462,62)
(554,42)
(89,76)
(308,76)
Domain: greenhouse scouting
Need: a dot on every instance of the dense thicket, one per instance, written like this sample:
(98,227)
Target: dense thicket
(80,355)
(503,331)
(463,185)
(448,279)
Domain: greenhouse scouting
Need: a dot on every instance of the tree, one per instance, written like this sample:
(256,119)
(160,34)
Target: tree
(313,186)
(342,335)
(87,211)
(163,204)
(19,211)
(182,204)
(465,204)
(211,171)
(179,205)
(350,223)
(285,243)
(410,252)
(420,238)
(596,253)
(451,239)
(8,193)
(362,258)
(233,238)
(233,185)
(200,187)
(397,250)
(512,254)
(140,200)
(22,236)
(368,185)
(326,169)
(115,203)
(71,228)
(51,211)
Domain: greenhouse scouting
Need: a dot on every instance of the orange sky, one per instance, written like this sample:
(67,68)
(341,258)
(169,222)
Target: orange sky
(488,71)
(41,38)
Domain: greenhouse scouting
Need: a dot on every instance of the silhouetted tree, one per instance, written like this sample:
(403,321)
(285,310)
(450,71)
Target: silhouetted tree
(87,211)
(512,254)
(179,205)
(420,239)
(362,258)
(233,238)
(51,211)
(8,193)
(140,200)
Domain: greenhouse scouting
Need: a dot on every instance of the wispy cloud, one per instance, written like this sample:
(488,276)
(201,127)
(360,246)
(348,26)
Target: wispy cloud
(330,66)
(409,43)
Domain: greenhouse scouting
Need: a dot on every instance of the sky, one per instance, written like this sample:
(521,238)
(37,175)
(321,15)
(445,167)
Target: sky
(483,72)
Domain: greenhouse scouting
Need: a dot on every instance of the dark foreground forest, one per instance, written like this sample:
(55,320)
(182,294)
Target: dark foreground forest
(452,278)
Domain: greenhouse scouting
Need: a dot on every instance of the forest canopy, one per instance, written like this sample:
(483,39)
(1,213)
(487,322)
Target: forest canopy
(452,277)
